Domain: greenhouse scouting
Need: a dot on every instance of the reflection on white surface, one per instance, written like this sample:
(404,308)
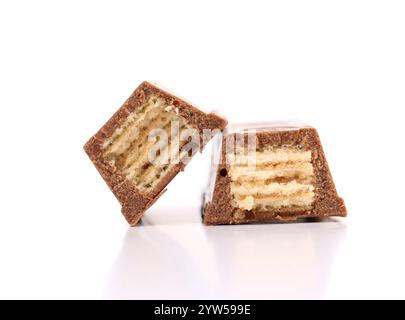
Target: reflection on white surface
(164,259)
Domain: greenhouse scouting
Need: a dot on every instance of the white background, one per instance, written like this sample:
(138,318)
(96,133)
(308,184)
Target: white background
(65,67)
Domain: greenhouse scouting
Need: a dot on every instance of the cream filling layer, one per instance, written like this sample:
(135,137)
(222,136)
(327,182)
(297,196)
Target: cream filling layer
(262,188)
(294,169)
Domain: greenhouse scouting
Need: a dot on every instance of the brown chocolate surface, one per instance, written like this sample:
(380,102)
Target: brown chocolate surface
(218,207)
(134,202)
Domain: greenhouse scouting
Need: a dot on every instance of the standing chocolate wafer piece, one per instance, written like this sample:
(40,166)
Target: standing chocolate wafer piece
(277,171)
(121,150)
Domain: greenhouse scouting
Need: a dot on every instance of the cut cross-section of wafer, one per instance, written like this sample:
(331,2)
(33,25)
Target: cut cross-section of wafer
(273,172)
(146,143)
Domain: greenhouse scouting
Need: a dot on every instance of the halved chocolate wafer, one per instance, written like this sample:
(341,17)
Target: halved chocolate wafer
(130,151)
(277,171)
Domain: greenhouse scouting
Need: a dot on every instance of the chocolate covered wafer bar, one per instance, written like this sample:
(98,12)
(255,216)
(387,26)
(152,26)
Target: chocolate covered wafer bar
(272,172)
(146,143)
